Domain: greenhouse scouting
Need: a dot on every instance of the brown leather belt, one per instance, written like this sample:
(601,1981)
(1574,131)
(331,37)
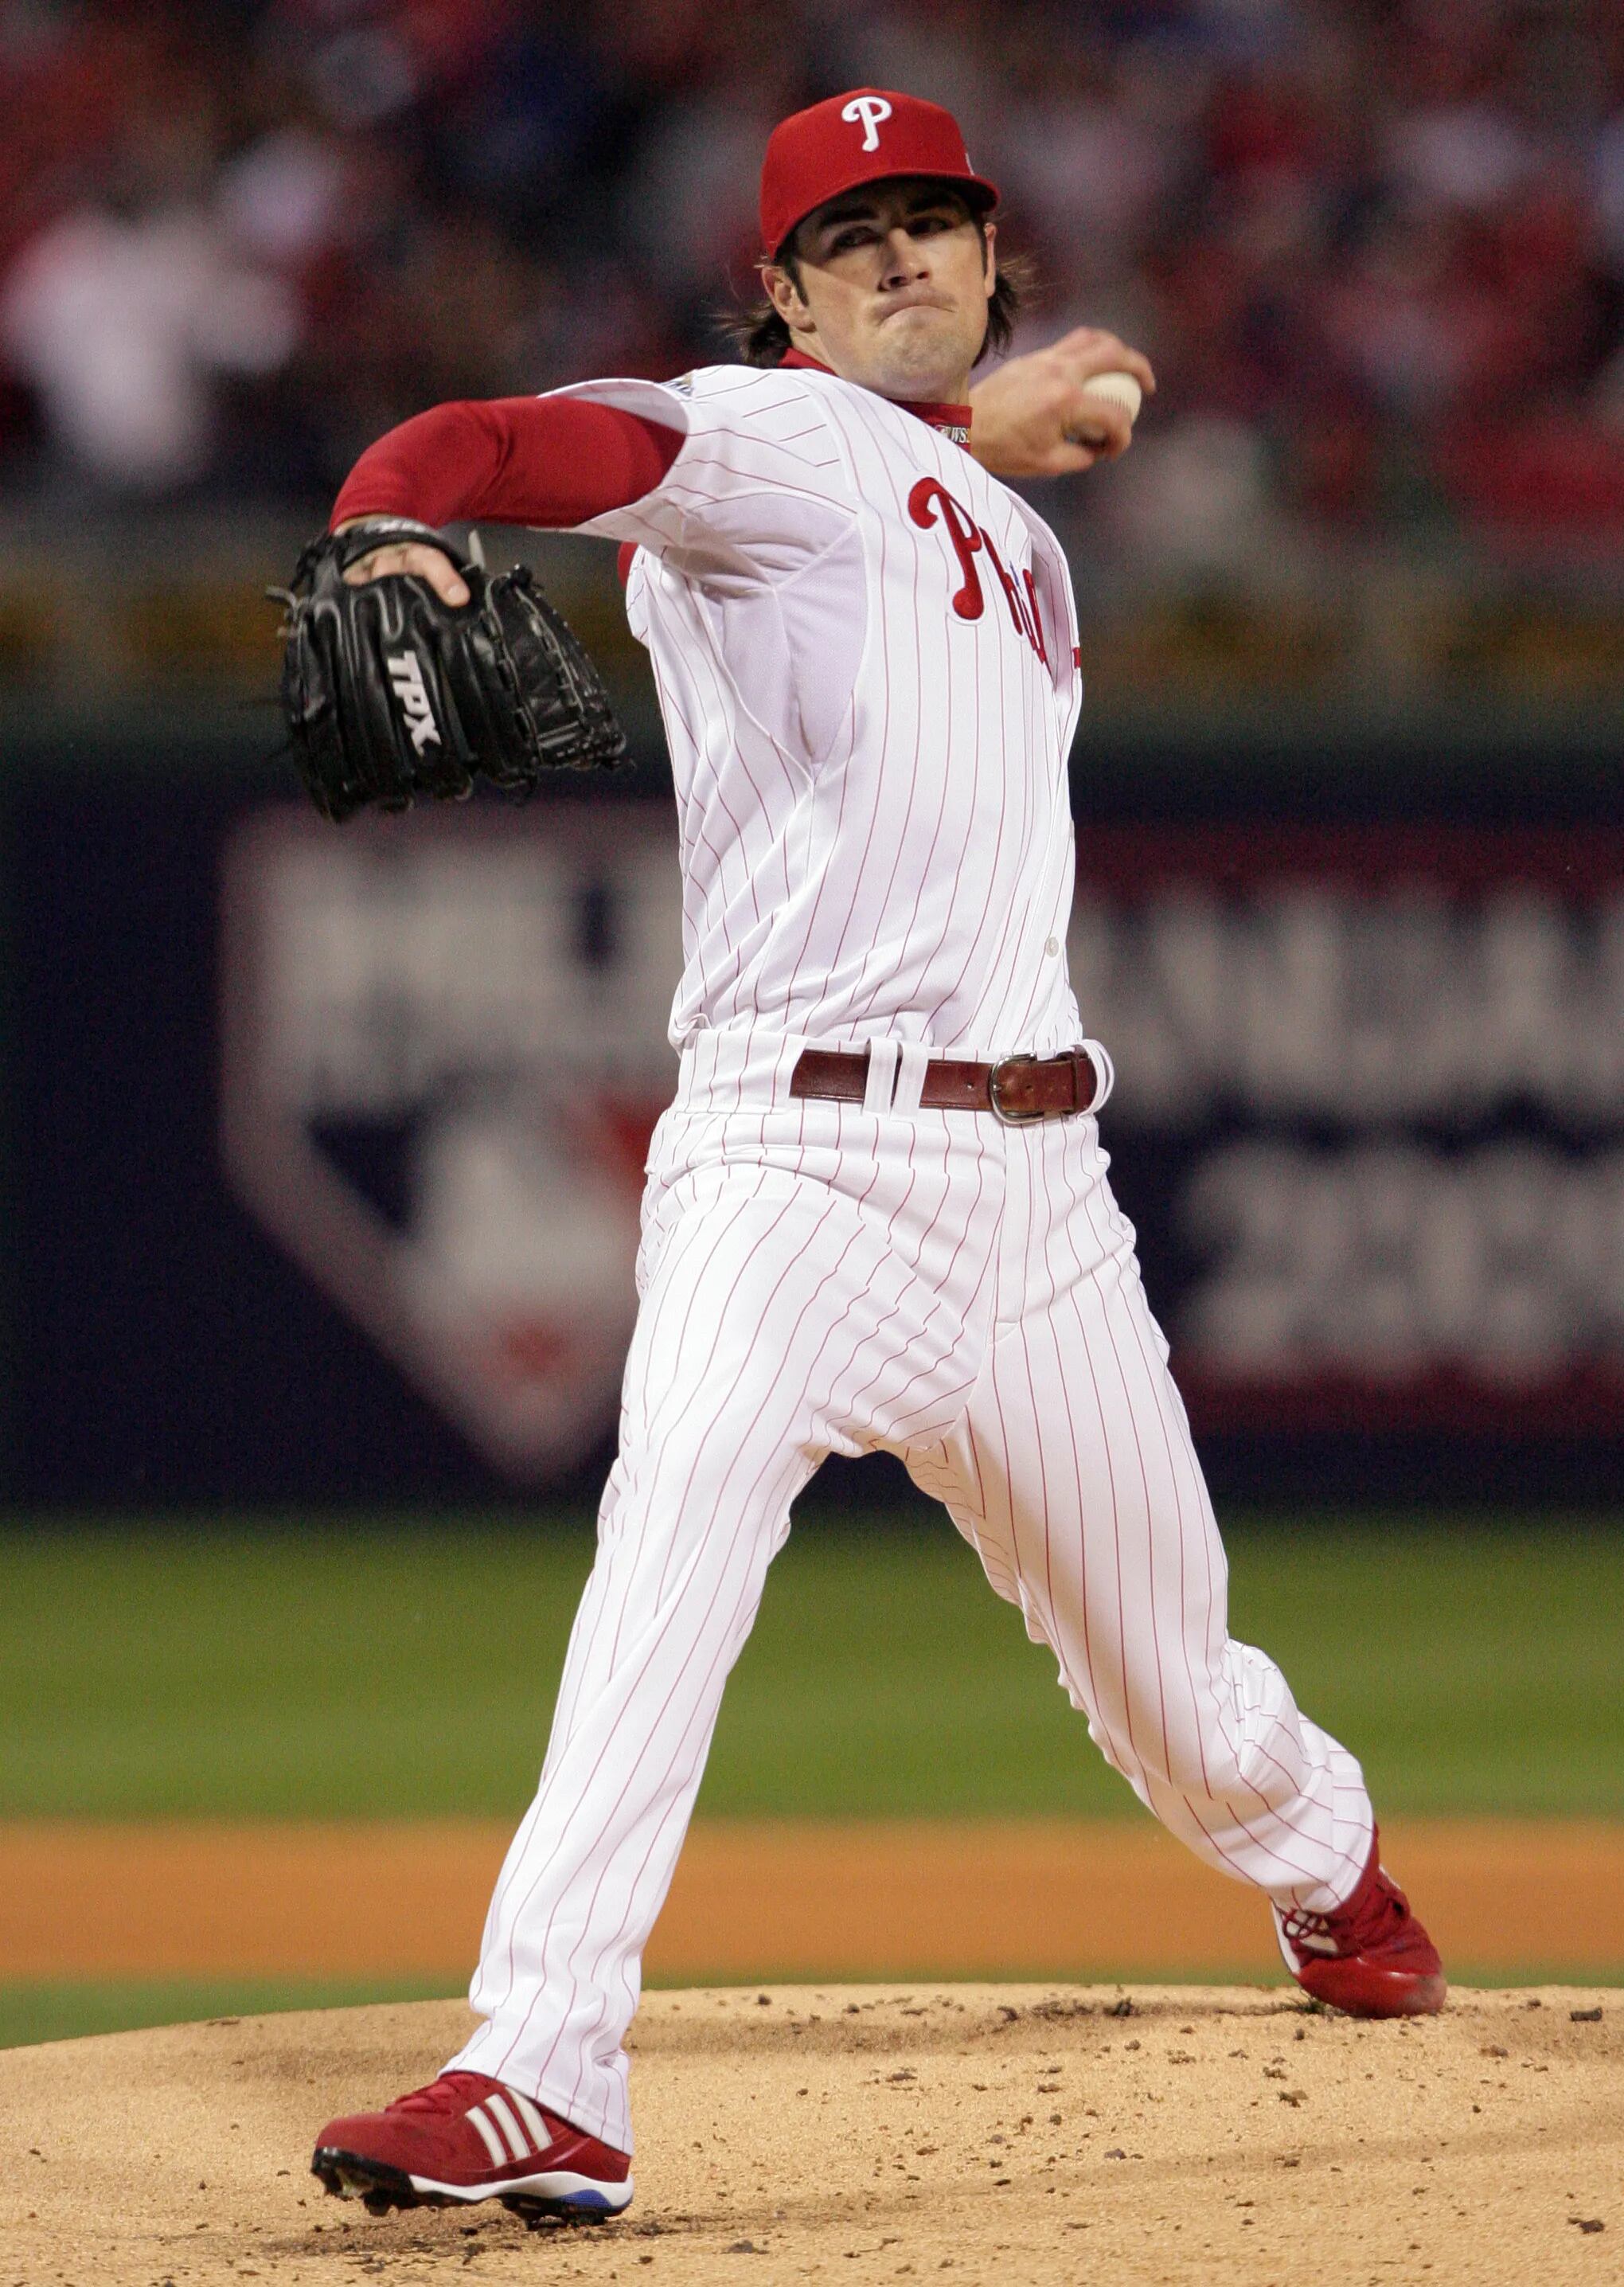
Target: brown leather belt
(1018,1089)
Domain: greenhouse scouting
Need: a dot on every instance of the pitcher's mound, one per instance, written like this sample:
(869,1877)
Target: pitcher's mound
(1004,2134)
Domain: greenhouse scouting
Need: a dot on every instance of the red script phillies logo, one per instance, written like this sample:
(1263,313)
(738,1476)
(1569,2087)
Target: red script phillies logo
(931,497)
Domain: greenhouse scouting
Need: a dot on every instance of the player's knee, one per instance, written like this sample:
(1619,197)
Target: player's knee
(692,1490)
(1184,1761)
(1112,1734)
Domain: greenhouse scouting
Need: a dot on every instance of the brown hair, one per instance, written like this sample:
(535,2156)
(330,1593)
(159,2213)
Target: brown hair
(761,337)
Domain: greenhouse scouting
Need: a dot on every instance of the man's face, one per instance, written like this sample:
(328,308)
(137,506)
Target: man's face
(893,284)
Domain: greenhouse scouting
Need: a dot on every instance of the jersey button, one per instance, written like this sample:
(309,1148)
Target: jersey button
(1052,946)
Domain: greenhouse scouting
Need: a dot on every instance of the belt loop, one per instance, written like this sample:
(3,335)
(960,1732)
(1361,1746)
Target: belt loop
(882,1074)
(912,1066)
(1105,1074)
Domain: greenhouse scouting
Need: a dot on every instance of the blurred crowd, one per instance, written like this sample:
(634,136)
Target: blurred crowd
(1375,248)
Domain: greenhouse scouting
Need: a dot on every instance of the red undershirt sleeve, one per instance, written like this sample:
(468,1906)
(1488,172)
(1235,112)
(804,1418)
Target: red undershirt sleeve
(552,462)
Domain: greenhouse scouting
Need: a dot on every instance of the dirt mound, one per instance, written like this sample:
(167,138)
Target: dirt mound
(1012,2133)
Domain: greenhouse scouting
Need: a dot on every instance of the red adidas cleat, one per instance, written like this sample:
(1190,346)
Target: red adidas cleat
(465,2137)
(1371,1957)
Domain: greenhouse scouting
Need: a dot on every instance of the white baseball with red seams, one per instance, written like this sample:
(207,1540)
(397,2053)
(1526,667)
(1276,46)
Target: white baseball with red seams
(866,655)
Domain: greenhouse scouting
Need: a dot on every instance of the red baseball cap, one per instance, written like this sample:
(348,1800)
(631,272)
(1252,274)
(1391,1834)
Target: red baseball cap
(866,136)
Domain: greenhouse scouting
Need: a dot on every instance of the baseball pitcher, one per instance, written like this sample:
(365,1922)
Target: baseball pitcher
(876,1214)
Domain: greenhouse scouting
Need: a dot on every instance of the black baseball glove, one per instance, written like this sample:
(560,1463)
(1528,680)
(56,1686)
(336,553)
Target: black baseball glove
(392,695)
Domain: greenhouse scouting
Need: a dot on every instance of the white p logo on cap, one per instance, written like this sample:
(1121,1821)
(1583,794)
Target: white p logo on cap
(871,109)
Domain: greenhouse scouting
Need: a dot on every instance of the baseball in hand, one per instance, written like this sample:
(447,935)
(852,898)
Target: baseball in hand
(1116,389)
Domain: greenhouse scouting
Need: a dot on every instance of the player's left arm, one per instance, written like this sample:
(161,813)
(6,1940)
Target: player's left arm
(1034,416)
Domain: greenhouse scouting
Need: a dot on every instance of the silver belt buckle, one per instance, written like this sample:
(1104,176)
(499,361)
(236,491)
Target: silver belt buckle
(994,1084)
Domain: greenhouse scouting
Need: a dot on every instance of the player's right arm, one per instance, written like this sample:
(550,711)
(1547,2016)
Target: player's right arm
(1034,417)
(551,462)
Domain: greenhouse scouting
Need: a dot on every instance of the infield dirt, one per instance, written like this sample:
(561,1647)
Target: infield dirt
(1017,2134)
(794,1898)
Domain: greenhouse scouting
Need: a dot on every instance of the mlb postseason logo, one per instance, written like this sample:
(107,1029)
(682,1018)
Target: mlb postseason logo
(1370,1116)
(443,1052)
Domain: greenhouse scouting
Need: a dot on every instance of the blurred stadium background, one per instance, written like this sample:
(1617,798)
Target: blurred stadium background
(312,1299)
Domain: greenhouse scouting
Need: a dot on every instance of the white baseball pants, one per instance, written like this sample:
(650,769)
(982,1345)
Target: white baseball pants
(820,1279)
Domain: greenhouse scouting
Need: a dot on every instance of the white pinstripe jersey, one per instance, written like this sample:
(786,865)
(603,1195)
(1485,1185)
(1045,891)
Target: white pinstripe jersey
(865,649)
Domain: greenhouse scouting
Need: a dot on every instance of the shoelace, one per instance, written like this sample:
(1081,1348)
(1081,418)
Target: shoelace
(453,2092)
(1355,1926)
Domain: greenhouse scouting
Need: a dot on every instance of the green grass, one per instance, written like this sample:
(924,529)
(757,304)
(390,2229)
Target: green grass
(63,2010)
(409,1670)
